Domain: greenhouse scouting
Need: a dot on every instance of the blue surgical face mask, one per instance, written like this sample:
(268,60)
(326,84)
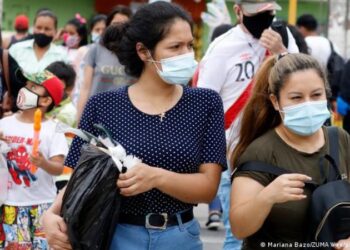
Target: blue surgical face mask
(177,69)
(306,118)
(95,37)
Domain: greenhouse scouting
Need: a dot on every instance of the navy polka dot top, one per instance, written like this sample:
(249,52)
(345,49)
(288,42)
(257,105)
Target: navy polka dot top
(192,133)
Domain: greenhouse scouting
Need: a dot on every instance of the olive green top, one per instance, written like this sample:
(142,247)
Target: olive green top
(286,223)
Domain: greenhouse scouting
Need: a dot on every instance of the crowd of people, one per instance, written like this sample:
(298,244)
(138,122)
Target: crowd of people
(262,93)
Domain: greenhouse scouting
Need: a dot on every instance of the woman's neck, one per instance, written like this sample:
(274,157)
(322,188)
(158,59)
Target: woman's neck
(308,144)
(152,86)
(152,96)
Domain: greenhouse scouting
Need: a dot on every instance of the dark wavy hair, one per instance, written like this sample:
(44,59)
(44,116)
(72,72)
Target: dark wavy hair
(96,19)
(119,9)
(149,26)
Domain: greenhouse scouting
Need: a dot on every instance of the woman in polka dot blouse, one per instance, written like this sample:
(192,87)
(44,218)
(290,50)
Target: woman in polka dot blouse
(178,132)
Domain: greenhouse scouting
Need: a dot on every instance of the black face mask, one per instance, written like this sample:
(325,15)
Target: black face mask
(42,40)
(258,23)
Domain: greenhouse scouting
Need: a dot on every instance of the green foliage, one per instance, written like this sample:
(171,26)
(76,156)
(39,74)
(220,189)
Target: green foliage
(64,9)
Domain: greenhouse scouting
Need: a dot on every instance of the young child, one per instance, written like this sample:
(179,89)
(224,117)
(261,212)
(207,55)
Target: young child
(30,193)
(66,111)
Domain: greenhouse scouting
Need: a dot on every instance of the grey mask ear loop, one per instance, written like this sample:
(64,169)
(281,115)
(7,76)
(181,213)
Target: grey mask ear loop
(280,111)
(153,61)
(150,55)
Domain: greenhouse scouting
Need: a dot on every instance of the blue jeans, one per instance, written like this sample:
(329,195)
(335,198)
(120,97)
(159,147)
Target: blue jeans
(230,243)
(182,237)
(215,205)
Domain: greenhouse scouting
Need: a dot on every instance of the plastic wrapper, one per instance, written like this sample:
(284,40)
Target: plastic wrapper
(91,203)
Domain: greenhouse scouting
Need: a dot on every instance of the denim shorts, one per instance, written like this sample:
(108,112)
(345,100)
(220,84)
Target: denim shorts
(182,237)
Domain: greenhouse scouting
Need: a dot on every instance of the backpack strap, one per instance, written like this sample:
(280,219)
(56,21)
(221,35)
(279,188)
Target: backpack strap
(333,138)
(5,67)
(333,157)
(258,166)
(263,167)
(281,28)
(332,47)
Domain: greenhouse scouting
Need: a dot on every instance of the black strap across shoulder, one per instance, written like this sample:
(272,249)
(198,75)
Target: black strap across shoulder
(258,166)
(333,138)
(331,45)
(263,167)
(333,158)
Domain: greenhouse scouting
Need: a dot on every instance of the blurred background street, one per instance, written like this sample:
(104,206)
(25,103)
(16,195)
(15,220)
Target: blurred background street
(212,240)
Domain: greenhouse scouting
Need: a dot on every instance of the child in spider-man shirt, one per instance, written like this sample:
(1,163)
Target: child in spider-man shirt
(31,192)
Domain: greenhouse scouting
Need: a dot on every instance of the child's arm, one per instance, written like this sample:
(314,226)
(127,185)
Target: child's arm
(2,137)
(53,166)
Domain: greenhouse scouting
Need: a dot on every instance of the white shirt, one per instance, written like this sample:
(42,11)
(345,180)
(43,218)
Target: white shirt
(23,53)
(23,191)
(229,66)
(319,48)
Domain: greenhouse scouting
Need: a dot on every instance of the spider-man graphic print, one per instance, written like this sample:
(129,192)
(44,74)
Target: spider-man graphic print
(25,186)
(18,162)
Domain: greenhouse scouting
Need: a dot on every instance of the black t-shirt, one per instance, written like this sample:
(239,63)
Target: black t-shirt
(286,224)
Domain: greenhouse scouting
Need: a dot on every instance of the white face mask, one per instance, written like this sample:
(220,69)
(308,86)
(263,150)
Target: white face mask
(306,118)
(177,69)
(27,99)
(95,37)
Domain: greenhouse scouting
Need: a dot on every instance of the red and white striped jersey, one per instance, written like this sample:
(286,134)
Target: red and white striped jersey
(228,67)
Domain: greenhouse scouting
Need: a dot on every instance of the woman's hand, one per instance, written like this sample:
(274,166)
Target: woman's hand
(138,179)
(343,244)
(287,187)
(56,231)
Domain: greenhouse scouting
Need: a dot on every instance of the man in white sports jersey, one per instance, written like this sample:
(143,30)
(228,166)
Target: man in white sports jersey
(228,67)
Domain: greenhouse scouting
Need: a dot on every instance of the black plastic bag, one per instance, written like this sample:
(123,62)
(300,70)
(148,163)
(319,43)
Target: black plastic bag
(91,203)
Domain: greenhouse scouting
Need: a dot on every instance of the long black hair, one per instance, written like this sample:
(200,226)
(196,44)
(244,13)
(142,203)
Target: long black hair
(149,26)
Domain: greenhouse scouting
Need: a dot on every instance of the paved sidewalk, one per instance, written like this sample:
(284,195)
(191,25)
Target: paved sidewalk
(212,240)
